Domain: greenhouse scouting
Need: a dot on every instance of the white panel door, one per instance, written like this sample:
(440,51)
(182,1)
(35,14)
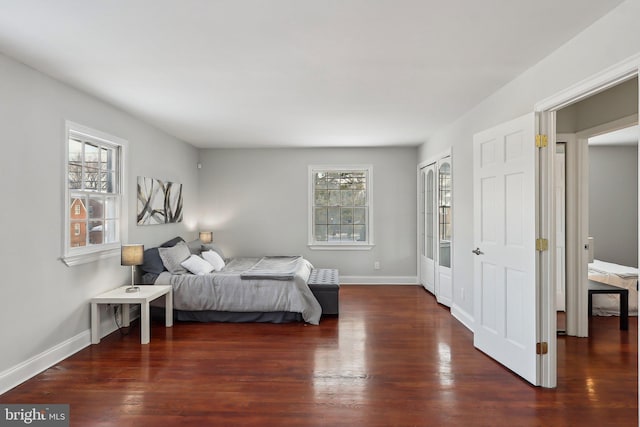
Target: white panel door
(428,216)
(504,235)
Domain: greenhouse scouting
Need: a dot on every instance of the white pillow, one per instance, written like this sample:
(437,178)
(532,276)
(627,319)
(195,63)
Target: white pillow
(197,265)
(213,258)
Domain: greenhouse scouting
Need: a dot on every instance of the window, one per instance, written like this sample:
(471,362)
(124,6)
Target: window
(340,214)
(444,211)
(93,194)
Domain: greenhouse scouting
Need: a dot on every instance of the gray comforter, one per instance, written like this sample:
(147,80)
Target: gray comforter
(226,290)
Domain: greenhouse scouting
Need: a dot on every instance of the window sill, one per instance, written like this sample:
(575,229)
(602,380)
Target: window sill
(341,247)
(87,257)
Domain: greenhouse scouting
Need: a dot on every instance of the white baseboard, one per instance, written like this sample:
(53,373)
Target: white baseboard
(379,280)
(38,363)
(28,369)
(463,317)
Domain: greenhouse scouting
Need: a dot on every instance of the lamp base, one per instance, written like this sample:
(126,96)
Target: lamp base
(132,289)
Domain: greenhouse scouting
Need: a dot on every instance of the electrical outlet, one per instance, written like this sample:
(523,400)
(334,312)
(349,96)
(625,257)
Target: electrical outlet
(462,294)
(376,265)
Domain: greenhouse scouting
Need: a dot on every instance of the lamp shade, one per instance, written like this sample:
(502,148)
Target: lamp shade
(206,236)
(132,254)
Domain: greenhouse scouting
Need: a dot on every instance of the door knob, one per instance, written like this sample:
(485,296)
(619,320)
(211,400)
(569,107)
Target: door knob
(477,251)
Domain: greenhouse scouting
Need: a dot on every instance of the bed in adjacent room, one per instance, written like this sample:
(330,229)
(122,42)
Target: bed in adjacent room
(616,275)
(208,287)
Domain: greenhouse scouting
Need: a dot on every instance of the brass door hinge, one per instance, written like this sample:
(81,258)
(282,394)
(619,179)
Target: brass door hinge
(542,244)
(541,141)
(542,347)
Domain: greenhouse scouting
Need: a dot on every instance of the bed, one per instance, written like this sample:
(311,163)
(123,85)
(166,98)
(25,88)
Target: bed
(616,275)
(244,289)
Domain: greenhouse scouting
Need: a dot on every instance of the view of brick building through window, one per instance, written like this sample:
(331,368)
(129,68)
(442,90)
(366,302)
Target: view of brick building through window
(79,221)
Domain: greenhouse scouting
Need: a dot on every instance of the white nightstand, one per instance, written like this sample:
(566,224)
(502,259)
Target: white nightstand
(120,296)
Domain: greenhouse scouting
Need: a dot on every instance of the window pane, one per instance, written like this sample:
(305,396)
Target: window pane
(75,151)
(359,216)
(334,197)
(320,180)
(91,178)
(445,254)
(346,216)
(444,183)
(77,208)
(360,233)
(321,233)
(96,232)
(110,231)
(96,208)
(334,233)
(430,232)
(111,208)
(106,158)
(347,198)
(75,164)
(360,198)
(91,155)
(78,235)
(107,182)
(334,216)
(346,232)
(321,216)
(321,198)
(358,183)
(75,176)
(333,180)
(355,180)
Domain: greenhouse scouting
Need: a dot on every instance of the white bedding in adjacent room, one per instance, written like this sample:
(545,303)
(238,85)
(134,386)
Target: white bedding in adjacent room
(616,275)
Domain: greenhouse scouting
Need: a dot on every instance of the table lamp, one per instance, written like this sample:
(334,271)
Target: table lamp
(206,236)
(132,255)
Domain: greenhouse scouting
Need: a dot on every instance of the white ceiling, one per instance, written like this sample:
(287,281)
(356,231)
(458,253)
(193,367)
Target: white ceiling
(253,73)
(626,136)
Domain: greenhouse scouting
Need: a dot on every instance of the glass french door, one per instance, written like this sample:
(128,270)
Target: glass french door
(428,225)
(444,282)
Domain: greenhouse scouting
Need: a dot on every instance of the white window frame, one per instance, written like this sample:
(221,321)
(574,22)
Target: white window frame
(80,255)
(333,245)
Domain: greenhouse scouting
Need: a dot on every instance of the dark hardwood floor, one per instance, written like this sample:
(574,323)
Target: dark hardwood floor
(394,357)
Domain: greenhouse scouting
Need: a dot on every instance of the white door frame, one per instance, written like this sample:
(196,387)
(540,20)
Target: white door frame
(577,161)
(610,77)
(576,302)
(577,233)
(561,206)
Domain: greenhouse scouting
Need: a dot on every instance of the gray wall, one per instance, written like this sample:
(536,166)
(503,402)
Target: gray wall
(613,203)
(255,202)
(44,303)
(612,39)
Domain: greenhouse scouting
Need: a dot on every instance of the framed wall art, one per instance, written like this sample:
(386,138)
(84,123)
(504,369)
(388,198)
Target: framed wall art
(159,202)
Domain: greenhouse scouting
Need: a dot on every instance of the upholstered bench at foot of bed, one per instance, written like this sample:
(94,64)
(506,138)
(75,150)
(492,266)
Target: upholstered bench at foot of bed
(325,285)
